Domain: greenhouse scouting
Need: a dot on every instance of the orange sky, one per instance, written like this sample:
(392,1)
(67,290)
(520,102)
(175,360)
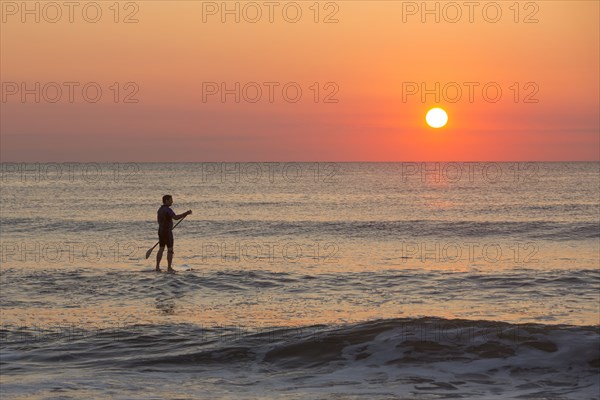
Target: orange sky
(374,50)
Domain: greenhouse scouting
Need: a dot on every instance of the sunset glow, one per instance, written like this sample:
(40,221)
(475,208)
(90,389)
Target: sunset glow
(331,90)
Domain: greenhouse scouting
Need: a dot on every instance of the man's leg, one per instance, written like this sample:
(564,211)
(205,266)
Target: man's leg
(159,257)
(170,243)
(170,258)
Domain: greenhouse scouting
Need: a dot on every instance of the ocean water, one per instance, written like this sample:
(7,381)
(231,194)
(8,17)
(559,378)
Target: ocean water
(301,281)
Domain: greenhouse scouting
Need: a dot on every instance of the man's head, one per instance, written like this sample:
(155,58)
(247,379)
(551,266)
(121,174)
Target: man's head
(167,199)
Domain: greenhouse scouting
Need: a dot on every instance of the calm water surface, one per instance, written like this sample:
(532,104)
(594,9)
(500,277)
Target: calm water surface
(302,280)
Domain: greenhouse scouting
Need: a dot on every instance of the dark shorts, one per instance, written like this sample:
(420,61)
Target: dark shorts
(165,239)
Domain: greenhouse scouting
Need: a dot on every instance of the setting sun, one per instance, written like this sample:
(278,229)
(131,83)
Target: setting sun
(436,118)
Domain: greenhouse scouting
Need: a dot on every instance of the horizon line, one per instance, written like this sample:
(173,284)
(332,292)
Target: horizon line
(300,162)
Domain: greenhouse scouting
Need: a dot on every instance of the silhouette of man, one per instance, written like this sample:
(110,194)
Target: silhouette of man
(165,217)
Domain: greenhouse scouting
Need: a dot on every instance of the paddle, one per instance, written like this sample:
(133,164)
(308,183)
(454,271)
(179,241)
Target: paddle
(150,251)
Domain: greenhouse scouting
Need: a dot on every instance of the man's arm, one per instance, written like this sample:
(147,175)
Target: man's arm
(179,216)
